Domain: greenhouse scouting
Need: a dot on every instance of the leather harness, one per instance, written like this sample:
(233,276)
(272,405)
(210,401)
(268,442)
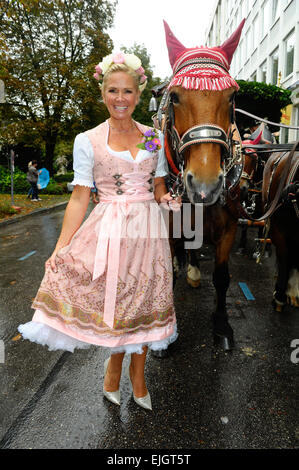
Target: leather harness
(232,153)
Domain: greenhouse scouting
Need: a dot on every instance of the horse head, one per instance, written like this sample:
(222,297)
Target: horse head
(250,165)
(200,113)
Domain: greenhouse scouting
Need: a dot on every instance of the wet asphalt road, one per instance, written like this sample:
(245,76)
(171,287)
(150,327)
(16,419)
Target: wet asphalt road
(202,398)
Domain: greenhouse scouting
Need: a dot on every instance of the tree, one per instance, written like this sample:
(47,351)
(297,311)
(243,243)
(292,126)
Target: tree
(48,52)
(260,99)
(141,112)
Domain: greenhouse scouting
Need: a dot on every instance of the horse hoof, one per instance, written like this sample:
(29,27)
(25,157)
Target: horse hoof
(160,353)
(293,301)
(278,306)
(225,342)
(193,276)
(193,283)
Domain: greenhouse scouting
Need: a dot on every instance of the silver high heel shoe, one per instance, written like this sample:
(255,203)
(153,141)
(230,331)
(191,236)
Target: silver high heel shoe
(114,397)
(144,402)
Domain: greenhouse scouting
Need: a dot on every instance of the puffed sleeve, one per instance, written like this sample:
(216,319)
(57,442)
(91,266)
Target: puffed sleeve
(162,167)
(83,161)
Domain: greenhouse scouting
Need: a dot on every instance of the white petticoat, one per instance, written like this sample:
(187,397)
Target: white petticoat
(55,340)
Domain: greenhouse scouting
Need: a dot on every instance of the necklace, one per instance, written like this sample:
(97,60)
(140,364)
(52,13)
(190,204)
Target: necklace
(122,130)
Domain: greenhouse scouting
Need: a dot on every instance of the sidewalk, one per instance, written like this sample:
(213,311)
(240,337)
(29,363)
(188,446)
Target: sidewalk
(35,210)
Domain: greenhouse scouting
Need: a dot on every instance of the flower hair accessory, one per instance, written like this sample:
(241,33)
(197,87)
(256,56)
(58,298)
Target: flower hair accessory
(131,60)
(151,141)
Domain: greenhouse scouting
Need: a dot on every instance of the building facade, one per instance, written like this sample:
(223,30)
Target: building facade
(268,50)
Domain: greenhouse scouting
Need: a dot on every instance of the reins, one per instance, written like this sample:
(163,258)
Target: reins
(265,120)
(274,204)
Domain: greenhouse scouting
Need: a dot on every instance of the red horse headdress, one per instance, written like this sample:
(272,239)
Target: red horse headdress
(202,68)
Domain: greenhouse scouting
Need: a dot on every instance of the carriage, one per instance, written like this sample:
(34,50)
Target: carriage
(206,162)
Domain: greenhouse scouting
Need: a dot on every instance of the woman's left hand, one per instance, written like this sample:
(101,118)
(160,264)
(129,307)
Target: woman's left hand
(171,203)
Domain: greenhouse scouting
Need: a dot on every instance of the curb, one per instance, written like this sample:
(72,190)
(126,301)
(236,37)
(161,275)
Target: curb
(60,205)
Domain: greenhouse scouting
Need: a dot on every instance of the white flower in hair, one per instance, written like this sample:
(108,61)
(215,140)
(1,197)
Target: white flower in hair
(106,62)
(132,61)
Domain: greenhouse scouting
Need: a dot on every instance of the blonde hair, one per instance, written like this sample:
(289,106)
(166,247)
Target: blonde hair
(123,68)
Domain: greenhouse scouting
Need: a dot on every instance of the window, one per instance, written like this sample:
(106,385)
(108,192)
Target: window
(274,67)
(265,18)
(289,53)
(255,32)
(241,56)
(253,77)
(242,9)
(263,69)
(247,44)
(239,13)
(276,7)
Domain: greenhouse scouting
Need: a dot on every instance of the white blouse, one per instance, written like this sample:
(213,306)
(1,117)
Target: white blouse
(83,159)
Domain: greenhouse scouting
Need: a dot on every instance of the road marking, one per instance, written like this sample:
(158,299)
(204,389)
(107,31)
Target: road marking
(27,256)
(246,291)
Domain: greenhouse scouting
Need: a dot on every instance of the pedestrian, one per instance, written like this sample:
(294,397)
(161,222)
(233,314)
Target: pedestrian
(29,194)
(94,193)
(109,281)
(32,178)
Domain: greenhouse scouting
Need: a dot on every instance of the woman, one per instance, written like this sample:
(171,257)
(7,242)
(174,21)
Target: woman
(32,178)
(109,282)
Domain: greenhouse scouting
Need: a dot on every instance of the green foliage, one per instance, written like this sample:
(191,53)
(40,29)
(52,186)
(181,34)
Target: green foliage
(141,113)
(68,177)
(20,183)
(6,209)
(48,50)
(55,188)
(265,101)
(64,147)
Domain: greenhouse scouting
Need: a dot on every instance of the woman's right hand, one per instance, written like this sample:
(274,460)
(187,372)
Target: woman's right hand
(52,261)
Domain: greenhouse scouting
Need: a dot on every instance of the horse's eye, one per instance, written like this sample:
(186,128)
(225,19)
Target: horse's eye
(174,98)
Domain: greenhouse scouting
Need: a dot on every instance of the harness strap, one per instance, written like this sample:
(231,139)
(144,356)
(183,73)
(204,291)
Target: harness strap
(274,205)
(269,148)
(169,157)
(203,62)
(204,133)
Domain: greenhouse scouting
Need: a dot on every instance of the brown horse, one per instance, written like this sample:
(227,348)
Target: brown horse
(199,139)
(251,189)
(284,224)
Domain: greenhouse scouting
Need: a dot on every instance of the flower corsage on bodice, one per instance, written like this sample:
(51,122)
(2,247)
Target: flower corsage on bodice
(150,141)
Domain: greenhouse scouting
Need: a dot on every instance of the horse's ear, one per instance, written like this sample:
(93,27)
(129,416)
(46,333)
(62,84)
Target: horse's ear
(175,48)
(230,45)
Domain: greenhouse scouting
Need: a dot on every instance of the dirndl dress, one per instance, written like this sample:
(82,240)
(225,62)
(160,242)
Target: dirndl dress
(113,285)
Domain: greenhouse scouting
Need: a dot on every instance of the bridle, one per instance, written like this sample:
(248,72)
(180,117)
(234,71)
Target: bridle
(176,145)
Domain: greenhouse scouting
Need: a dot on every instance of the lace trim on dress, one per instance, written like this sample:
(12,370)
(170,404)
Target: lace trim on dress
(47,336)
(153,345)
(55,340)
(82,182)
